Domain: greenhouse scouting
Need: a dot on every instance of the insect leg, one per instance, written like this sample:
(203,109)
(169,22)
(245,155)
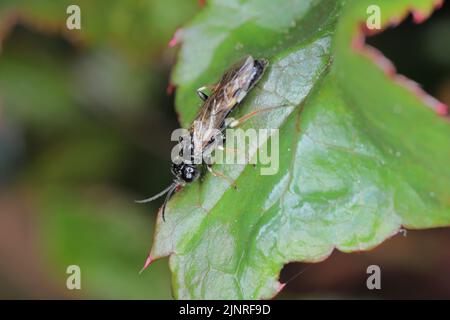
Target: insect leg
(229,149)
(235,151)
(203,95)
(222,175)
(248,116)
(231,123)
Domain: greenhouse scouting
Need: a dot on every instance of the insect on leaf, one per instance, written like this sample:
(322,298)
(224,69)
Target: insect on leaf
(353,168)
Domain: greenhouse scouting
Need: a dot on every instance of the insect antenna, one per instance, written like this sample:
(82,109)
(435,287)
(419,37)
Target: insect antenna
(169,190)
(169,195)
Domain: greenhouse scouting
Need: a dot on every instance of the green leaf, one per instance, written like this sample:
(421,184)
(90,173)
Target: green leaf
(361,155)
(352,170)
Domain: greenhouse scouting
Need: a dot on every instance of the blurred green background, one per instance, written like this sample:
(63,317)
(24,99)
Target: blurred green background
(85,123)
(85,130)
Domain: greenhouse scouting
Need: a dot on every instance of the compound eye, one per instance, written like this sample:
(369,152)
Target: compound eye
(189,174)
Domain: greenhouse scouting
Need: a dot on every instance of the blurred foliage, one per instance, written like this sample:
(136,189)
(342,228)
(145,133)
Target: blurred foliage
(93,232)
(141,28)
(85,122)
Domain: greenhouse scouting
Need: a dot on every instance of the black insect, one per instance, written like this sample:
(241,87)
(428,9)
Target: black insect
(225,96)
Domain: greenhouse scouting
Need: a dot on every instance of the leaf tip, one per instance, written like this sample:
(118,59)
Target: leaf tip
(419,16)
(147,263)
(442,109)
(175,39)
(280,287)
(170,89)
(438,4)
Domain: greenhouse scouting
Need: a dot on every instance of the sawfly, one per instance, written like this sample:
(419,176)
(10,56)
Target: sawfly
(225,96)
